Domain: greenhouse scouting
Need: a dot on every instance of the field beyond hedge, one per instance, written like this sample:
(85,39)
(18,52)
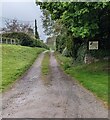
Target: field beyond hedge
(15,61)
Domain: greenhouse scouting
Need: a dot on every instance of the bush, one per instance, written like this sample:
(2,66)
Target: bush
(81,54)
(99,53)
(39,43)
(66,52)
(25,39)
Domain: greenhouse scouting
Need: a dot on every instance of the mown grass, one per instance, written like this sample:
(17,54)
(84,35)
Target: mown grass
(15,61)
(45,67)
(0,65)
(94,76)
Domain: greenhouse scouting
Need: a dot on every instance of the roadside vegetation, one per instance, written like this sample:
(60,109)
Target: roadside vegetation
(24,39)
(45,68)
(0,64)
(93,77)
(73,25)
(16,60)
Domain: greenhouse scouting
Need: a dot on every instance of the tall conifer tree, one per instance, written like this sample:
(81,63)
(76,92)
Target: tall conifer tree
(36,32)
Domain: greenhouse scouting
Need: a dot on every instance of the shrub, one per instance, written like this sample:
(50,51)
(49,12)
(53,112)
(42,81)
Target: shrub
(25,39)
(66,52)
(81,54)
(99,53)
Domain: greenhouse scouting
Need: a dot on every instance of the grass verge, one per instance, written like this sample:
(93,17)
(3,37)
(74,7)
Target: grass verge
(45,68)
(93,77)
(0,65)
(15,61)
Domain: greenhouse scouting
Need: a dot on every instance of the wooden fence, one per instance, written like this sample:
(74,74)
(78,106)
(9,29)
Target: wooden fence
(6,40)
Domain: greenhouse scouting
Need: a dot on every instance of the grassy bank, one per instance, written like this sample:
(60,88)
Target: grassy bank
(45,67)
(15,61)
(0,65)
(94,76)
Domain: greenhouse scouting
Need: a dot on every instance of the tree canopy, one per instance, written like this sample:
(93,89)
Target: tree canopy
(82,20)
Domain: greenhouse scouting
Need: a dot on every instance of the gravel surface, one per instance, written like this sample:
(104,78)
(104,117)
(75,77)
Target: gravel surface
(61,98)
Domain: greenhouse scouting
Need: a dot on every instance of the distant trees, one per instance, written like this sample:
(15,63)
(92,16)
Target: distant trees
(48,23)
(15,26)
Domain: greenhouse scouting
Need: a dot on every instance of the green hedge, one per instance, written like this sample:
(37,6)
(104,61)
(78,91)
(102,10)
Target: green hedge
(25,39)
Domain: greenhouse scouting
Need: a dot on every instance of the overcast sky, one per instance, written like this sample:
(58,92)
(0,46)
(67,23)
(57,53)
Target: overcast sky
(24,10)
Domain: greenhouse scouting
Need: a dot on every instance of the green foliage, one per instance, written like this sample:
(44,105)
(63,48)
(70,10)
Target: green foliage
(81,53)
(60,43)
(26,40)
(39,43)
(23,38)
(66,62)
(8,40)
(99,53)
(83,21)
(47,23)
(65,52)
(36,32)
(94,76)
(64,42)
(15,61)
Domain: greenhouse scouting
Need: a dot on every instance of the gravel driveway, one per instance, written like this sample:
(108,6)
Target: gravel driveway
(62,98)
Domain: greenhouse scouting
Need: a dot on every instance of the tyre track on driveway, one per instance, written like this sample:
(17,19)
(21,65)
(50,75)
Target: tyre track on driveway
(22,93)
(75,101)
(62,98)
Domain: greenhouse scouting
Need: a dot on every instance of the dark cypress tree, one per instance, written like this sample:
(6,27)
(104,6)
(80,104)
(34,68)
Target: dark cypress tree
(36,32)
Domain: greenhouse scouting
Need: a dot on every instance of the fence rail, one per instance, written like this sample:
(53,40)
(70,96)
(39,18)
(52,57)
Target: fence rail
(6,40)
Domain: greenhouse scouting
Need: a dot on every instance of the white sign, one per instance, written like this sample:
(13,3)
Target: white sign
(93,45)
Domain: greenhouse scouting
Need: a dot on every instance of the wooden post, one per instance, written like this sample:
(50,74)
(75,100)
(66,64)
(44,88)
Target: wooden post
(1,40)
(11,41)
(6,41)
(14,42)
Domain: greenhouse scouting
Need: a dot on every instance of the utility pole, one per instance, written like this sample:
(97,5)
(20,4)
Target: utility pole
(36,32)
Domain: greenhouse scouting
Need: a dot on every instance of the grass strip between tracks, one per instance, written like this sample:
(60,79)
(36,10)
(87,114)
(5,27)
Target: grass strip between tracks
(46,68)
